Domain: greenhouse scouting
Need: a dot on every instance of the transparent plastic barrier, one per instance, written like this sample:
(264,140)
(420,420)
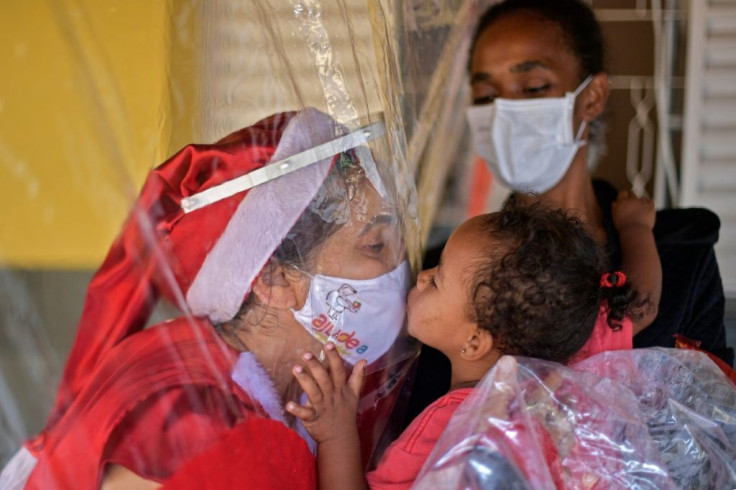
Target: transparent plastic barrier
(101,95)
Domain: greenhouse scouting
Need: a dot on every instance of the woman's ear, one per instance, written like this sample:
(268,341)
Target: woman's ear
(277,287)
(477,345)
(594,97)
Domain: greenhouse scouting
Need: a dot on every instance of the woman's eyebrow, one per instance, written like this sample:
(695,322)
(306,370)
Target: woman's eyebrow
(379,219)
(523,67)
(480,76)
(526,66)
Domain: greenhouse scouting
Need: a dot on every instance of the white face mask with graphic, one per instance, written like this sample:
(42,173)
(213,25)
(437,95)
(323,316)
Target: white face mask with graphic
(528,144)
(362,317)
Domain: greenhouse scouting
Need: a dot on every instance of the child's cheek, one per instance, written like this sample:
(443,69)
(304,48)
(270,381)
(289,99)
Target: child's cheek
(411,298)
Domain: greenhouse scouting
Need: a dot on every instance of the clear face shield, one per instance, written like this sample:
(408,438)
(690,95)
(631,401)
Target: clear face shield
(343,255)
(146,319)
(343,262)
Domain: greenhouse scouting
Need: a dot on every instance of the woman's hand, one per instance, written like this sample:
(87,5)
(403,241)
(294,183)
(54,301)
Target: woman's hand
(333,402)
(631,211)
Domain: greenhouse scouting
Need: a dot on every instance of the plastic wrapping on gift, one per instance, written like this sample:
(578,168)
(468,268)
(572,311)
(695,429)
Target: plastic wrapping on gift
(286,133)
(650,418)
(689,406)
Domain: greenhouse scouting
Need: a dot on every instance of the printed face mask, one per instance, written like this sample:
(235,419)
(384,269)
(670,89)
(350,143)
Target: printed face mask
(528,144)
(362,317)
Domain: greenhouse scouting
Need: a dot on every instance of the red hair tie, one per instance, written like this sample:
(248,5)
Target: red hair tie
(613,279)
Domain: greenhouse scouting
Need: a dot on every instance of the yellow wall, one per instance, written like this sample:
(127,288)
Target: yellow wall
(84,113)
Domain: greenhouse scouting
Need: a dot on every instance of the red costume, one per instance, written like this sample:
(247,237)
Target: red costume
(152,400)
(156,400)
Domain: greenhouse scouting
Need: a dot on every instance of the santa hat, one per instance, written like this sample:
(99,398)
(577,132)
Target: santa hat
(205,257)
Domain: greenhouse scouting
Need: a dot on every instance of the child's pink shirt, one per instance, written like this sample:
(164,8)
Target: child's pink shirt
(403,459)
(604,338)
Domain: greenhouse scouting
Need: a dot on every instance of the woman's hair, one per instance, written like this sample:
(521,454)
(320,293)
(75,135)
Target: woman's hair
(582,33)
(575,19)
(538,289)
(326,214)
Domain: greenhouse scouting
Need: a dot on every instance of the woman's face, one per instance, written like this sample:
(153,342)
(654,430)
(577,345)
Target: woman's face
(521,56)
(369,244)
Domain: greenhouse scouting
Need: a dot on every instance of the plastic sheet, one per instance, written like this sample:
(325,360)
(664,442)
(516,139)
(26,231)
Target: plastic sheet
(116,90)
(649,418)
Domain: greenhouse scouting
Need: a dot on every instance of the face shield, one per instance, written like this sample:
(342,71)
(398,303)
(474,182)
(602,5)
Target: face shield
(129,304)
(333,226)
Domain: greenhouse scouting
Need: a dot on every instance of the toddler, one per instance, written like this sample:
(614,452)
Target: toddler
(525,281)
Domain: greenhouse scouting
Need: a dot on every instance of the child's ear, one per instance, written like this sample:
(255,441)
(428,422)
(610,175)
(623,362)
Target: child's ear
(594,97)
(277,287)
(477,345)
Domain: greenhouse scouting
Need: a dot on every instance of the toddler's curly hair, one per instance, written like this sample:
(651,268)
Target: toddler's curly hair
(537,291)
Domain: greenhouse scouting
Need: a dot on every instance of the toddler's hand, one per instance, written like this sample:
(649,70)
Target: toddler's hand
(629,210)
(333,403)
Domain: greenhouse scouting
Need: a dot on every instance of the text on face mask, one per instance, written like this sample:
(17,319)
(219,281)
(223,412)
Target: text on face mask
(322,325)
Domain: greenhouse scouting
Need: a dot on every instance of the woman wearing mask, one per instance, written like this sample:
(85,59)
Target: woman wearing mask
(251,250)
(539,86)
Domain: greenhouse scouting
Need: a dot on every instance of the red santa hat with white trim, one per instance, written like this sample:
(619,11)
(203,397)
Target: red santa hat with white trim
(203,258)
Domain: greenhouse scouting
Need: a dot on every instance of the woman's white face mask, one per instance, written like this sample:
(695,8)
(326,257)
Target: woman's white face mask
(528,144)
(362,317)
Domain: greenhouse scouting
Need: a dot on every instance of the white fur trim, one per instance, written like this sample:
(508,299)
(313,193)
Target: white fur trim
(16,472)
(255,381)
(262,220)
(302,431)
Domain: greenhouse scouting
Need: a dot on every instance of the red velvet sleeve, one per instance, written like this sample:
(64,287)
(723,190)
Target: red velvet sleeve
(164,431)
(257,453)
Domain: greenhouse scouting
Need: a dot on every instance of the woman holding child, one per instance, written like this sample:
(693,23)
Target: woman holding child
(539,87)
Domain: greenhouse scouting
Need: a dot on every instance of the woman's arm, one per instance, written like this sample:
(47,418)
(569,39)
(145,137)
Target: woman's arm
(634,220)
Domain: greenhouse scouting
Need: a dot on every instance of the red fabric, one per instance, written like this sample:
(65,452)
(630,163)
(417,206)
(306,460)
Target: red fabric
(480,187)
(525,443)
(380,393)
(604,338)
(403,459)
(156,242)
(181,428)
(682,342)
(257,453)
(169,385)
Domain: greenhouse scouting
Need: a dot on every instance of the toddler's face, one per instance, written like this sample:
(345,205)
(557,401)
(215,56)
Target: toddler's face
(438,305)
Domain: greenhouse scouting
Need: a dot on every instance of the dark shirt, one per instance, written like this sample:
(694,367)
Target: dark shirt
(692,300)
(691,303)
